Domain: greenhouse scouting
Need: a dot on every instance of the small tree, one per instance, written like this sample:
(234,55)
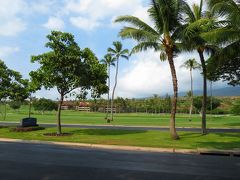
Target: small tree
(66,68)
(45,105)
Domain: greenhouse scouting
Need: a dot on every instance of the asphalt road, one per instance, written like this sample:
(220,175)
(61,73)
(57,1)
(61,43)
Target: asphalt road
(127,127)
(47,162)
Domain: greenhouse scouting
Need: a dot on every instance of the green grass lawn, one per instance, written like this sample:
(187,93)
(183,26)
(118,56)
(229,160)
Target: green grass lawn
(75,117)
(189,140)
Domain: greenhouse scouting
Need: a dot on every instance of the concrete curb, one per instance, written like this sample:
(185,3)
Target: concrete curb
(129,148)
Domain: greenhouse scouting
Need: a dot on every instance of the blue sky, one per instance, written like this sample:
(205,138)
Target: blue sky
(24,25)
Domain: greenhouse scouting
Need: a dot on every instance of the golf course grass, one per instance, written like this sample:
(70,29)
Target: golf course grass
(189,140)
(131,119)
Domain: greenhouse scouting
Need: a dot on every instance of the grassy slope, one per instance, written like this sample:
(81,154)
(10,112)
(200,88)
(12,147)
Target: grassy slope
(75,117)
(188,140)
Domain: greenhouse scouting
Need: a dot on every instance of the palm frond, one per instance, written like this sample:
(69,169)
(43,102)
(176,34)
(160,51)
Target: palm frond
(137,23)
(143,46)
(221,35)
(138,34)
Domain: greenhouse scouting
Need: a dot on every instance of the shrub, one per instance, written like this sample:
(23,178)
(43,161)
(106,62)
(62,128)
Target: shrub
(45,105)
(236,107)
(15,104)
(26,129)
(197,102)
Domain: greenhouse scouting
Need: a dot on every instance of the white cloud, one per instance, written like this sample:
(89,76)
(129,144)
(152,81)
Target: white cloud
(147,75)
(6,51)
(54,23)
(10,22)
(84,23)
(98,13)
(42,6)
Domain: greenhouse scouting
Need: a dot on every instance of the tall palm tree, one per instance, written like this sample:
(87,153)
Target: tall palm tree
(198,22)
(117,52)
(191,64)
(108,61)
(166,18)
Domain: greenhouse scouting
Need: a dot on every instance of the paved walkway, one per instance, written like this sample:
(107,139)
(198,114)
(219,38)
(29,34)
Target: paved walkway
(135,128)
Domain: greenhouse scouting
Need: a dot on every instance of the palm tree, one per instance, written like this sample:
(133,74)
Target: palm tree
(225,62)
(108,61)
(191,64)
(166,17)
(117,52)
(198,22)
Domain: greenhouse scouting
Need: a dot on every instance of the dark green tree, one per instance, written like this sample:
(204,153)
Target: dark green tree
(66,68)
(12,86)
(43,105)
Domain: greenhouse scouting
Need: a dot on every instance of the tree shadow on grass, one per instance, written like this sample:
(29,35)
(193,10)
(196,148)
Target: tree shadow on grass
(222,135)
(223,141)
(191,135)
(219,145)
(232,124)
(105,132)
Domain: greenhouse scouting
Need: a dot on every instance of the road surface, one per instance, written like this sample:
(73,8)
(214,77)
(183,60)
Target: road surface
(49,162)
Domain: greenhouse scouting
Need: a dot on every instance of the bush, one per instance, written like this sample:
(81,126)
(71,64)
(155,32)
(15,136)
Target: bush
(26,129)
(197,103)
(15,104)
(1,127)
(236,107)
(45,105)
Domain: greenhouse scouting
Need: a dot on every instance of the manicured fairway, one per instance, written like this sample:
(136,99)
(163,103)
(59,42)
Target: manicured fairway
(189,140)
(75,117)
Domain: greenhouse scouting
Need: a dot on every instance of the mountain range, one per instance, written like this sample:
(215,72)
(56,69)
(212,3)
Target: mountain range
(227,91)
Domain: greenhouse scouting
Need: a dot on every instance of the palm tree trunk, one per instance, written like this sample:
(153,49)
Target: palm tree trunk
(191,106)
(59,128)
(173,131)
(5,111)
(114,88)
(108,94)
(204,102)
(30,107)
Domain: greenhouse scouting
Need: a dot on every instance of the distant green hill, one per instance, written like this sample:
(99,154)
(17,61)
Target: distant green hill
(227,91)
